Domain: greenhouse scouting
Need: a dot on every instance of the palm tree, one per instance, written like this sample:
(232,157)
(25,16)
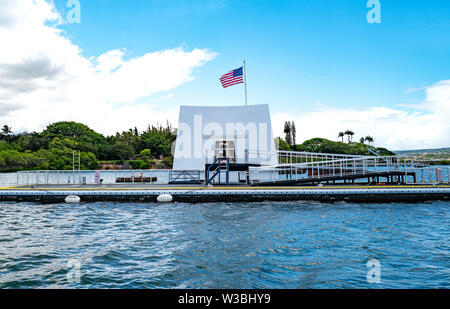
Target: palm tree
(294,133)
(362,140)
(341,135)
(6,131)
(288,133)
(369,139)
(350,135)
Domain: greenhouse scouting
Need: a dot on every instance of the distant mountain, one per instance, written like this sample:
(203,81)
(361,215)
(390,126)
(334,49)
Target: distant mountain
(440,156)
(423,151)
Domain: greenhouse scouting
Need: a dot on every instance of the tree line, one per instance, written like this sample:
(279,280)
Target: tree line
(350,134)
(53,147)
(322,145)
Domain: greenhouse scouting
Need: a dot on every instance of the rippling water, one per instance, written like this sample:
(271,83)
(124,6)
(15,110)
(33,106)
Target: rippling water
(223,245)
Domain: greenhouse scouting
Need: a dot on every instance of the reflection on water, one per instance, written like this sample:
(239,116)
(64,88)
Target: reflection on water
(224,245)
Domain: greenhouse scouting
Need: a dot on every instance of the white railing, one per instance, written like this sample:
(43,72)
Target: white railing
(27,178)
(398,167)
(267,157)
(434,175)
(290,157)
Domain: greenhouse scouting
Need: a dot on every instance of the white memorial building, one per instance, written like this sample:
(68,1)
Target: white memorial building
(231,138)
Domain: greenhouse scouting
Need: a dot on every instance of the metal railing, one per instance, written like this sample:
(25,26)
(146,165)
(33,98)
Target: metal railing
(26,178)
(184,176)
(357,167)
(294,157)
(218,164)
(430,175)
(267,157)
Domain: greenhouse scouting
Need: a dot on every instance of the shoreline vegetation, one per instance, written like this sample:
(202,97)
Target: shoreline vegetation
(52,149)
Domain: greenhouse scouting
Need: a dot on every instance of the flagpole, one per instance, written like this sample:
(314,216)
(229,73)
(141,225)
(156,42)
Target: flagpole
(245,83)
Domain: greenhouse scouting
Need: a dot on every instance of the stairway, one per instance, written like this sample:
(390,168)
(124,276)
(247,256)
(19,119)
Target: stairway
(216,169)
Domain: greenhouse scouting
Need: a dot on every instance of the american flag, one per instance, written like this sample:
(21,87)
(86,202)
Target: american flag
(232,78)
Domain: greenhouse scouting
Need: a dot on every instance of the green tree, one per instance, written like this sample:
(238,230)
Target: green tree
(146,153)
(159,140)
(87,139)
(32,141)
(294,133)
(322,145)
(282,145)
(350,134)
(6,132)
(341,135)
(128,138)
(288,132)
(369,139)
(122,151)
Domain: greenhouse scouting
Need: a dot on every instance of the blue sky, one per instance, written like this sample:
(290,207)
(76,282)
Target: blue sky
(316,61)
(298,52)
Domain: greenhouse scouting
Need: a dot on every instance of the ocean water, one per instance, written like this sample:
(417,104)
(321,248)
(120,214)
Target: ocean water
(224,245)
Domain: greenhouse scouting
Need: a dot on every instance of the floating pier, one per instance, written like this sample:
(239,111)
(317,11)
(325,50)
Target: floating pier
(199,193)
(297,176)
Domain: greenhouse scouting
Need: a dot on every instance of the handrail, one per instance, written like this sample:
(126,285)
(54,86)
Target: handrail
(187,175)
(296,153)
(218,162)
(337,168)
(354,160)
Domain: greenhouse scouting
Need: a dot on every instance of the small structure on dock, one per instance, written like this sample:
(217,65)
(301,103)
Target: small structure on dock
(136,179)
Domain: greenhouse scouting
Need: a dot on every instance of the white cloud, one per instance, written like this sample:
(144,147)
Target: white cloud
(44,77)
(428,126)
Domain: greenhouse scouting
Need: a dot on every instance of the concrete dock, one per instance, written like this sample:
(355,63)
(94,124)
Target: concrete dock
(200,193)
